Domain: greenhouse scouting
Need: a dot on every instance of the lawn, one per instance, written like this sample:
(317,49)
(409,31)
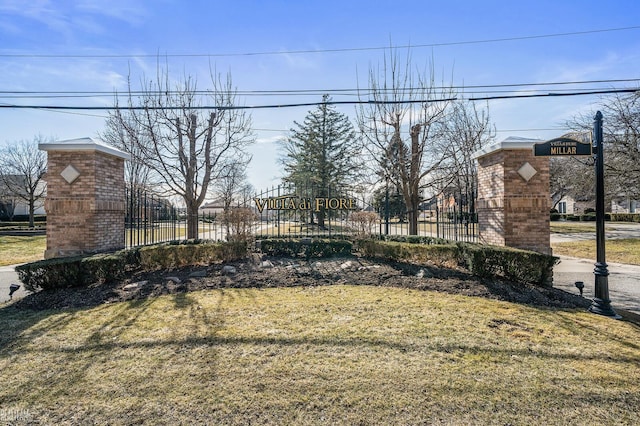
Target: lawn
(318,355)
(619,251)
(21,249)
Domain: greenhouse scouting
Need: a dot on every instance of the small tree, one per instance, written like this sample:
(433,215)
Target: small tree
(321,151)
(22,171)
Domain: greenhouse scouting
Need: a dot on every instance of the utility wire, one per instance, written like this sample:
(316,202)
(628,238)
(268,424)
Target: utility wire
(337,50)
(353,92)
(307,104)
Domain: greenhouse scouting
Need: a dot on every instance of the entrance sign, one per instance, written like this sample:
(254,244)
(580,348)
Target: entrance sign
(292,202)
(561,146)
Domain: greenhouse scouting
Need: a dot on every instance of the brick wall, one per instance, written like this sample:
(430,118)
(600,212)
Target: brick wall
(514,212)
(86,216)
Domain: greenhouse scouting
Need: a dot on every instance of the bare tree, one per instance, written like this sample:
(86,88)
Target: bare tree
(622,144)
(232,182)
(123,131)
(465,130)
(183,144)
(621,128)
(399,125)
(22,170)
(571,176)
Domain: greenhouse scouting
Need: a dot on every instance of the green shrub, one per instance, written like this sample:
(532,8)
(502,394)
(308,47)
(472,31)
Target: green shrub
(588,217)
(305,247)
(86,270)
(73,271)
(441,255)
(190,252)
(480,260)
(625,217)
(513,264)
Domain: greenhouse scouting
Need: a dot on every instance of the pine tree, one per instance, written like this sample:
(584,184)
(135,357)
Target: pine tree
(321,152)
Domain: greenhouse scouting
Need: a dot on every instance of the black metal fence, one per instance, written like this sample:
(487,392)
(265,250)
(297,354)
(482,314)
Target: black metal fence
(304,211)
(290,211)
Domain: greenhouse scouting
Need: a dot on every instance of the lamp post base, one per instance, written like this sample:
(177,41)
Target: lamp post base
(603,307)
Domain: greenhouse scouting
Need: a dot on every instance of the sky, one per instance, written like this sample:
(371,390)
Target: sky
(324,46)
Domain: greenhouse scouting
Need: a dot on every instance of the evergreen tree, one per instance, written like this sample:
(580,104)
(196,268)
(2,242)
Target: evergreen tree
(320,152)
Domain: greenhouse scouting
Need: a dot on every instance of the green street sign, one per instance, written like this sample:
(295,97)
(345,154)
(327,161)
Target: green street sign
(562,146)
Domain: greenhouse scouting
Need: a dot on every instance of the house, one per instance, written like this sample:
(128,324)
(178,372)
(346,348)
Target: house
(624,205)
(211,208)
(13,205)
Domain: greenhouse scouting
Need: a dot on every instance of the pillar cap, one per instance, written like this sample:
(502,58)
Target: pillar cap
(84,144)
(512,142)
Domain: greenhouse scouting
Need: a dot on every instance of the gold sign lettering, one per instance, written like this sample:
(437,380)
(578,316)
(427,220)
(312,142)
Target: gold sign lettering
(295,203)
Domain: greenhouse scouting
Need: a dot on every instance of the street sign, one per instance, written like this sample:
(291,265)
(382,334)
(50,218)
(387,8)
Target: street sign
(562,146)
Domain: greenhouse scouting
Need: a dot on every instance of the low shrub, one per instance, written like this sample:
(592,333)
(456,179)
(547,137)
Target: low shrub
(73,271)
(305,247)
(82,271)
(512,264)
(440,255)
(625,217)
(480,260)
(190,252)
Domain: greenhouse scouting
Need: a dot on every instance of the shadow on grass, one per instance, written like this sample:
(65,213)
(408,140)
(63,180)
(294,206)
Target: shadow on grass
(95,346)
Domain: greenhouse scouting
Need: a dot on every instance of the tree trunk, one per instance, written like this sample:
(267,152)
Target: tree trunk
(32,209)
(192,221)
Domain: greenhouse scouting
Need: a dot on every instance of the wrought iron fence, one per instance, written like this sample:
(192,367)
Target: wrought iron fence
(295,211)
(303,211)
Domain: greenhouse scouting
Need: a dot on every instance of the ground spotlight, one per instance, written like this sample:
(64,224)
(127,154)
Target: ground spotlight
(12,289)
(580,286)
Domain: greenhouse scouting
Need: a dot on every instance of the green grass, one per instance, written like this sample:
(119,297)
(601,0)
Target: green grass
(325,355)
(618,250)
(21,249)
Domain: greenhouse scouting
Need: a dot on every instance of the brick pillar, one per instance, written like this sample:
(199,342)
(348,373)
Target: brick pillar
(513,196)
(85,201)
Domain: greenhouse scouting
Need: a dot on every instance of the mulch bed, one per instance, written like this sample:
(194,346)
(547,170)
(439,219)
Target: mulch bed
(261,272)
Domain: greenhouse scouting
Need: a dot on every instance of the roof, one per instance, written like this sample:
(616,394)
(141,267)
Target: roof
(511,142)
(84,144)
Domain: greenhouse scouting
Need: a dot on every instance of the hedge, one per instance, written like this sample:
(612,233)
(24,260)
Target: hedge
(83,271)
(72,271)
(482,261)
(305,247)
(172,255)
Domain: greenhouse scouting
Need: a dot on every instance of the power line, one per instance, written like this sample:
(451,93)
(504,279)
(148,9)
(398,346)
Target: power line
(469,89)
(308,104)
(307,51)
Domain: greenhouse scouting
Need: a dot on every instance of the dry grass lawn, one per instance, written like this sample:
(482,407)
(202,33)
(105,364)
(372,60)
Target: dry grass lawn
(318,355)
(619,251)
(21,249)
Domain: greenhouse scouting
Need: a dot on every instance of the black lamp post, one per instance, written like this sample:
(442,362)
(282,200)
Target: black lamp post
(601,303)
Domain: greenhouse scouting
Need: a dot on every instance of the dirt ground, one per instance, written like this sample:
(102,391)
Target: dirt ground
(262,272)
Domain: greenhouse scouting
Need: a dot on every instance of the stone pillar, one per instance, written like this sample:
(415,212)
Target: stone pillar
(85,201)
(513,196)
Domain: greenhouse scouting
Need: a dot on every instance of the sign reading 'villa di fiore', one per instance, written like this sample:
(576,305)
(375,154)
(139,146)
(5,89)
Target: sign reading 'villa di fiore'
(291,202)
(560,147)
